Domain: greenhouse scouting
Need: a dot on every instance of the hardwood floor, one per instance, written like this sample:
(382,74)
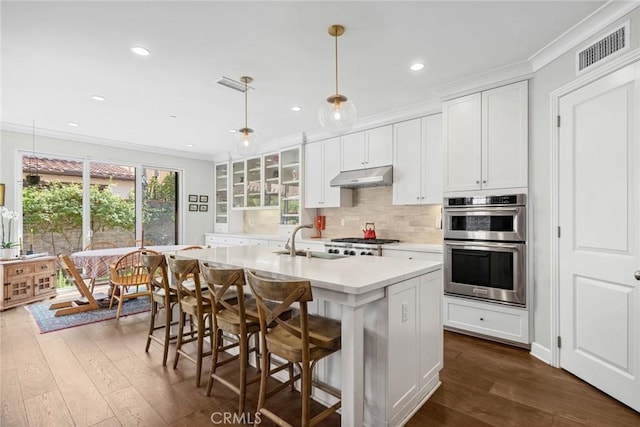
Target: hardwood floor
(99,375)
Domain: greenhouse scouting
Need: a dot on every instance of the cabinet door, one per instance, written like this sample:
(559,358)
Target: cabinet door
(334,197)
(314,180)
(407,162)
(432,159)
(353,151)
(238,184)
(222,193)
(462,141)
(254,182)
(379,147)
(270,185)
(505,136)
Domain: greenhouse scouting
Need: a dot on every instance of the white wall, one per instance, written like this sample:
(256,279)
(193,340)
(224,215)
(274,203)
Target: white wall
(197,175)
(549,78)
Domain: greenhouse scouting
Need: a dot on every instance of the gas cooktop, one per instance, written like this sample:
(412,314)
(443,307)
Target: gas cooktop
(360,240)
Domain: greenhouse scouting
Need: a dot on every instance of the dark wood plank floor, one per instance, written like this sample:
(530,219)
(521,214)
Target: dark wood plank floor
(99,375)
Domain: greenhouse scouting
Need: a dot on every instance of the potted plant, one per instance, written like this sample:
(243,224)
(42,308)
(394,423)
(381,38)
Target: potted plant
(7,247)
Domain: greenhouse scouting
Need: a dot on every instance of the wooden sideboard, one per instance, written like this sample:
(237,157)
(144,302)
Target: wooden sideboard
(25,281)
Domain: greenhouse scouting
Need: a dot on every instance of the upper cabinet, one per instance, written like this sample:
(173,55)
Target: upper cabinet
(255,182)
(367,149)
(322,164)
(417,161)
(486,139)
(271,180)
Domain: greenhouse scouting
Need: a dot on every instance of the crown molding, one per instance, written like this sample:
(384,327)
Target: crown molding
(487,80)
(597,21)
(27,130)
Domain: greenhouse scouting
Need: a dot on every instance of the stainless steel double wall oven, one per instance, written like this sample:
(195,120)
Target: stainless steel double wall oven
(485,248)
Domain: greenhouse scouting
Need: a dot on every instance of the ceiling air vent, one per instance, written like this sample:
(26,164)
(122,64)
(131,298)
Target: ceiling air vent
(233,84)
(615,41)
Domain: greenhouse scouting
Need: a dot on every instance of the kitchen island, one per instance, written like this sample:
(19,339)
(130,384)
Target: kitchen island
(390,310)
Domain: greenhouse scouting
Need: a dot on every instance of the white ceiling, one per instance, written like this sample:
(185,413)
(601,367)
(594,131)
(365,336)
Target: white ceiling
(56,55)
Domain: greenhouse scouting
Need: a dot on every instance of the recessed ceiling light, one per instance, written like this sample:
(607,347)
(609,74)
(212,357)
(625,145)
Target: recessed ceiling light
(139,50)
(173,116)
(232,130)
(73,125)
(417,66)
(98,98)
(189,145)
(296,108)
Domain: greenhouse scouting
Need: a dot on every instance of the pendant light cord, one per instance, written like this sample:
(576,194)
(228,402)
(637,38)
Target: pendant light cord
(336,37)
(246,122)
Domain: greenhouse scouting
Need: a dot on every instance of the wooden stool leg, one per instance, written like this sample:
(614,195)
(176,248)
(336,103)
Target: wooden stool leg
(168,318)
(179,339)
(244,361)
(214,358)
(120,301)
(152,324)
(305,391)
(201,332)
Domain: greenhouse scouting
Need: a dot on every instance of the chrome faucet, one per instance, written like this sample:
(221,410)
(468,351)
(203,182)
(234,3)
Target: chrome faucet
(292,250)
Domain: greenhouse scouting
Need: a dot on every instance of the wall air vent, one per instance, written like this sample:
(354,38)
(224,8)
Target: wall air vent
(233,84)
(615,41)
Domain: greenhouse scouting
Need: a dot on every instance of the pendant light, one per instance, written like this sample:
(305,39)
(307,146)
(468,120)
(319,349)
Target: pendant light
(31,179)
(337,114)
(245,138)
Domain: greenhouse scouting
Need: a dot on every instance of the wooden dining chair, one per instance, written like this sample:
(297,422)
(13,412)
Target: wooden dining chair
(226,286)
(163,298)
(87,302)
(301,341)
(128,272)
(195,303)
(99,245)
(139,243)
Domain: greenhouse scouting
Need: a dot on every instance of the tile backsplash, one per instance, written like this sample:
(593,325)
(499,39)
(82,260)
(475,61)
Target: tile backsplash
(411,224)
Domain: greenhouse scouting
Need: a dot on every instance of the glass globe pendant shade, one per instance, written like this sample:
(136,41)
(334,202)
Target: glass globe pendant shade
(337,114)
(245,142)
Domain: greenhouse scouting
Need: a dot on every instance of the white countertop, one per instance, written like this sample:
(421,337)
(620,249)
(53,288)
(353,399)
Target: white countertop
(351,275)
(401,246)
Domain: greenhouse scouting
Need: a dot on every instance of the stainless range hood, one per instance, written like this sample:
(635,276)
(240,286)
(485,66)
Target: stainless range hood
(371,177)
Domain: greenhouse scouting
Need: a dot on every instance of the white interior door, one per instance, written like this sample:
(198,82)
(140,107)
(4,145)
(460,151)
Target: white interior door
(599,204)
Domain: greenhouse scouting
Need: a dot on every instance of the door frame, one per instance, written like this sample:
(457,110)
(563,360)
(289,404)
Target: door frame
(602,71)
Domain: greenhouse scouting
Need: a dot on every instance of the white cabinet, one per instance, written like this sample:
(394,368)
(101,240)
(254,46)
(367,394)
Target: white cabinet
(408,254)
(417,161)
(322,164)
(486,139)
(367,149)
(493,320)
(290,176)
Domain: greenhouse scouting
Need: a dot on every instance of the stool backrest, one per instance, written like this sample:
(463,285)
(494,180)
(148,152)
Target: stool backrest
(285,293)
(221,280)
(156,266)
(128,269)
(183,270)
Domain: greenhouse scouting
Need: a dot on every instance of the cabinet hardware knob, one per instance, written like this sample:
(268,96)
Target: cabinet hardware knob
(477,182)
(484,181)
(637,274)
(482,319)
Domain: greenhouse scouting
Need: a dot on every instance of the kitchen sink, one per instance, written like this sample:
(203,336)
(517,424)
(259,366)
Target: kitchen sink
(312,254)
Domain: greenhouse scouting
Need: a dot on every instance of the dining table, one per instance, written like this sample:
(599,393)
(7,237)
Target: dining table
(95,262)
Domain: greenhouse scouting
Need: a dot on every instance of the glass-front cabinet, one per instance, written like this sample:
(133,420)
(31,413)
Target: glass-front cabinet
(238,187)
(222,193)
(290,186)
(271,180)
(254,182)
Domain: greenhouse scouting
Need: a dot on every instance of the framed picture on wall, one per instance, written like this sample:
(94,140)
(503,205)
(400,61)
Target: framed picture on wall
(204,208)
(193,208)
(193,198)
(204,199)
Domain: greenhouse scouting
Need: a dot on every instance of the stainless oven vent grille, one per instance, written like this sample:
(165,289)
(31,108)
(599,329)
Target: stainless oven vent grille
(614,42)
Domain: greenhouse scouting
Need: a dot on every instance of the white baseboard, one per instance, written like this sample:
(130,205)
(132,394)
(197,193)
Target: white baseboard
(541,352)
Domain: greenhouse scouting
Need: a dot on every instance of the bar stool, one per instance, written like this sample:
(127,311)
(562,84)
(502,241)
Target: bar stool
(197,304)
(162,298)
(301,341)
(229,315)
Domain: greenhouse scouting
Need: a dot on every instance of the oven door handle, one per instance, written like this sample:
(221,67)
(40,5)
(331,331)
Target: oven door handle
(484,245)
(482,210)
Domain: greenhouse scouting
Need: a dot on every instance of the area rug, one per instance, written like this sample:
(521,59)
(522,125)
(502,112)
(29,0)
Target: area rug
(47,321)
